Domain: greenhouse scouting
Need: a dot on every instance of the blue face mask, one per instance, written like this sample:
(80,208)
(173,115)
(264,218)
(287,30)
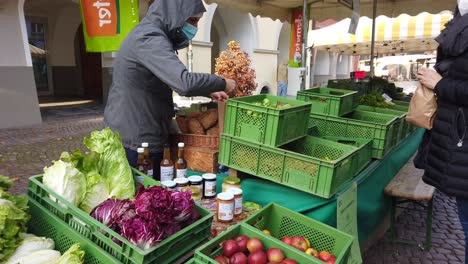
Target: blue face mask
(189,30)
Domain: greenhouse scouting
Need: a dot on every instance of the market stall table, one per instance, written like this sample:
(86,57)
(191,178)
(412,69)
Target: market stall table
(373,206)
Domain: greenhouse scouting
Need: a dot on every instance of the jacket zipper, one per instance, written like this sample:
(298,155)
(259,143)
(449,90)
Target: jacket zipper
(460,140)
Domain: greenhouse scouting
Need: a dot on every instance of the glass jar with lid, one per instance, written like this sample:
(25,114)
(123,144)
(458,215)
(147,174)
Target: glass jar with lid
(169,184)
(230,182)
(196,193)
(196,181)
(181,183)
(225,207)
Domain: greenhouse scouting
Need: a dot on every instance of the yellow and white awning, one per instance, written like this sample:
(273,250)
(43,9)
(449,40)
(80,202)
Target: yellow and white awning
(393,35)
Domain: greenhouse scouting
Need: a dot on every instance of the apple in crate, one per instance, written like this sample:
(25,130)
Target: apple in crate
(222,260)
(258,257)
(230,247)
(242,242)
(287,240)
(300,243)
(238,258)
(275,255)
(327,257)
(254,244)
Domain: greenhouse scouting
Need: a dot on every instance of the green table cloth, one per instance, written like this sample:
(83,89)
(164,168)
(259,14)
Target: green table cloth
(373,205)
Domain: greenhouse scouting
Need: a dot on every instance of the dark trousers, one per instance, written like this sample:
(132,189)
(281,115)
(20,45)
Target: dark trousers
(462,205)
(132,157)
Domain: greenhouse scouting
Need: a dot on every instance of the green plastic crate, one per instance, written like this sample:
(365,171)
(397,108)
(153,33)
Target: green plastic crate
(329,101)
(361,157)
(281,222)
(266,125)
(359,124)
(194,261)
(45,224)
(310,164)
(125,252)
(400,105)
(401,128)
(212,249)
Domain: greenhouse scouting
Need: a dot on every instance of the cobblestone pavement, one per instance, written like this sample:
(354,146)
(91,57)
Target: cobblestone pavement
(25,152)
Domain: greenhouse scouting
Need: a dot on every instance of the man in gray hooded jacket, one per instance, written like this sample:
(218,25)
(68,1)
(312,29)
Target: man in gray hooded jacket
(147,71)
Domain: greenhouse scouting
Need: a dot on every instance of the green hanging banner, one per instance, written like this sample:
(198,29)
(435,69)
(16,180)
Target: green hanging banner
(107,22)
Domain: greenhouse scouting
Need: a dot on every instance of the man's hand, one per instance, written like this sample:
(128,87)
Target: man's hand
(219,96)
(428,77)
(231,87)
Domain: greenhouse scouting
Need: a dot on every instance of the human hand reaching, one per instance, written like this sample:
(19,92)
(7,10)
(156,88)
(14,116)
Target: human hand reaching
(429,77)
(231,87)
(219,96)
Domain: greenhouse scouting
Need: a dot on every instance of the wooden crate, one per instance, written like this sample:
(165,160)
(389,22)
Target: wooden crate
(199,159)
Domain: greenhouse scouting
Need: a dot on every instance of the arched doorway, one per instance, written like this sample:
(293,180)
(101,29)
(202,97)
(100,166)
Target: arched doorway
(89,66)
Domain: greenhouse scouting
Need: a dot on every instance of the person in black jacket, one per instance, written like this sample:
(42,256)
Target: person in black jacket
(446,160)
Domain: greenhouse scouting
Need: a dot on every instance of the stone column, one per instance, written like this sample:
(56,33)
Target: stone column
(19,104)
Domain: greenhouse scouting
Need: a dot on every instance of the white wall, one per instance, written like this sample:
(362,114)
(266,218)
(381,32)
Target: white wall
(66,23)
(239,28)
(265,67)
(283,42)
(14,44)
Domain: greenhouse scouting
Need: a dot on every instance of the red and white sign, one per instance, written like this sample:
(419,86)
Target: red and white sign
(101,17)
(295,50)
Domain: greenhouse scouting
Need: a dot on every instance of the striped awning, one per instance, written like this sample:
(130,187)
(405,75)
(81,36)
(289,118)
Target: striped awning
(393,35)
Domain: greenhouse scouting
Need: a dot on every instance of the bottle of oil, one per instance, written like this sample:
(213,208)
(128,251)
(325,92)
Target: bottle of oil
(141,166)
(167,166)
(147,160)
(181,164)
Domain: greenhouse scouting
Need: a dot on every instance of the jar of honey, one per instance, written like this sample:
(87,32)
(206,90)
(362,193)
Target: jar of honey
(237,200)
(225,207)
(230,182)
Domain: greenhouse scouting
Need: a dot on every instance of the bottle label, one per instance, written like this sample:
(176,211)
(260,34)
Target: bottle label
(181,173)
(167,173)
(225,211)
(210,188)
(238,206)
(150,173)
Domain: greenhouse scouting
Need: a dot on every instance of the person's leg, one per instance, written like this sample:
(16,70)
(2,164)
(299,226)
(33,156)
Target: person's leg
(278,90)
(132,157)
(156,158)
(285,89)
(462,205)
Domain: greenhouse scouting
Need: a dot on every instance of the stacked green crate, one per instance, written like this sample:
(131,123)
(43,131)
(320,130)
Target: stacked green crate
(359,124)
(266,119)
(329,101)
(312,165)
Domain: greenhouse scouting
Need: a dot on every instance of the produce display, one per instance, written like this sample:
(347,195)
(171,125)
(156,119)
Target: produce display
(245,250)
(155,214)
(87,180)
(303,244)
(235,64)
(18,247)
(266,103)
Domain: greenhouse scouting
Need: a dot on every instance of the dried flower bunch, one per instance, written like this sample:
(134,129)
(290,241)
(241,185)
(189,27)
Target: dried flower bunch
(235,64)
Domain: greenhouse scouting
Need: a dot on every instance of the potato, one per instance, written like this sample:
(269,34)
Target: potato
(214,131)
(209,119)
(194,115)
(195,127)
(182,123)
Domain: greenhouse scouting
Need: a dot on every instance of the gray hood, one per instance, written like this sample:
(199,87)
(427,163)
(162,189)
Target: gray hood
(169,16)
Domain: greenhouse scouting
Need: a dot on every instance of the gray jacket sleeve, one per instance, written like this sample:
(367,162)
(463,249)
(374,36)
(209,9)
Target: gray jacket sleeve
(158,56)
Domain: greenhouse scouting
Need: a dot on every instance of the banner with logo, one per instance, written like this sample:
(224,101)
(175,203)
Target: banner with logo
(107,22)
(297,31)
